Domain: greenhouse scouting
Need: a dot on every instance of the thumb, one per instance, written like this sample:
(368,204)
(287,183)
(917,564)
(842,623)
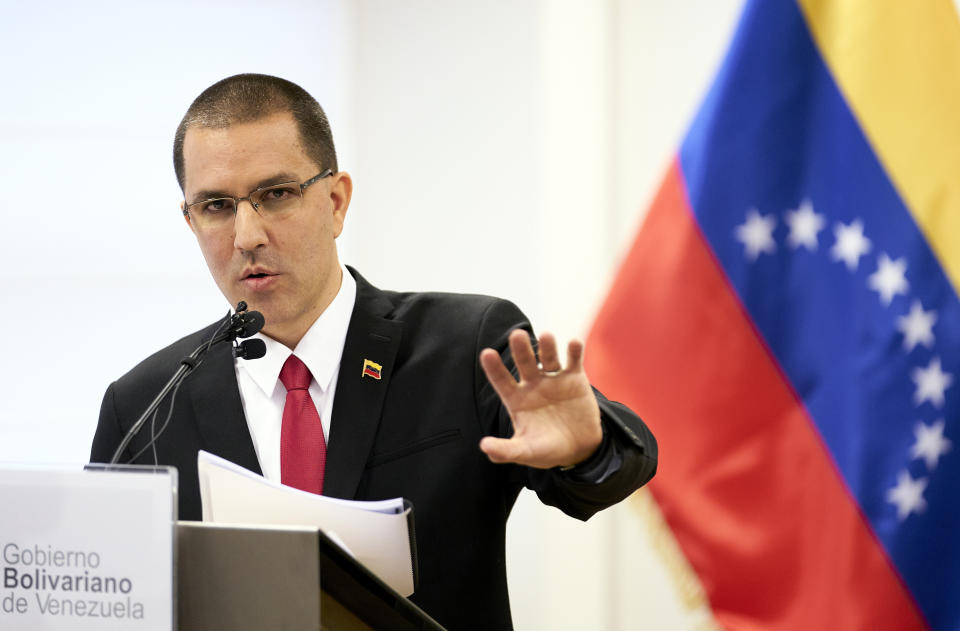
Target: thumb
(501,450)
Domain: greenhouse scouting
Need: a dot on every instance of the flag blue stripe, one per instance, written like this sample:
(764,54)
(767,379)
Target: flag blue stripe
(775,131)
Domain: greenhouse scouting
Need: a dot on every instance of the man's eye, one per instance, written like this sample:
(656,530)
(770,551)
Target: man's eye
(217,206)
(278,194)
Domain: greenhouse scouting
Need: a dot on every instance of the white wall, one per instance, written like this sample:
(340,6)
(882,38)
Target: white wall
(497,147)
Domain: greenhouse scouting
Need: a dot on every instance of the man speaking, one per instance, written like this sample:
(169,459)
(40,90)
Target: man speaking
(364,393)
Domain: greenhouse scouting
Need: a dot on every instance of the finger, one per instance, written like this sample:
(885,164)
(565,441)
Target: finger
(523,356)
(549,359)
(575,356)
(497,374)
(500,450)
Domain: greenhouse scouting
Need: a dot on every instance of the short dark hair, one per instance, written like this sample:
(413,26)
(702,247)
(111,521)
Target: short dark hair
(244,98)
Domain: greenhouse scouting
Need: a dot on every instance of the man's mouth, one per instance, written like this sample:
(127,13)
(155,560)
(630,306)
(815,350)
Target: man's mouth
(258,279)
(255,271)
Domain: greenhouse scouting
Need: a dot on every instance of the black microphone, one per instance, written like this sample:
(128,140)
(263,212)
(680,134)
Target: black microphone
(249,323)
(250,349)
(241,324)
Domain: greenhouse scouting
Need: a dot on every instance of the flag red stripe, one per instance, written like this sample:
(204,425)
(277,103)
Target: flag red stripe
(770,527)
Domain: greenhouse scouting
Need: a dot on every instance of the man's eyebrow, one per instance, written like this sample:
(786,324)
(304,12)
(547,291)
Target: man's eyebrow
(202,196)
(279,178)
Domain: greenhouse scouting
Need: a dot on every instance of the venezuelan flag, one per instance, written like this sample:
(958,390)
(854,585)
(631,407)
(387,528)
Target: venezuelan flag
(371,369)
(788,321)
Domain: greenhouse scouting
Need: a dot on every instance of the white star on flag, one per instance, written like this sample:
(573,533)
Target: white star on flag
(756,234)
(890,278)
(931,383)
(804,226)
(850,244)
(917,326)
(931,443)
(908,495)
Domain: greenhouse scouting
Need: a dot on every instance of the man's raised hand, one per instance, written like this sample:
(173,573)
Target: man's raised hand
(556,419)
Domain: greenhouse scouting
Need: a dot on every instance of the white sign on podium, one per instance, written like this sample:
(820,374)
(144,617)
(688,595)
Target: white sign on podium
(87,549)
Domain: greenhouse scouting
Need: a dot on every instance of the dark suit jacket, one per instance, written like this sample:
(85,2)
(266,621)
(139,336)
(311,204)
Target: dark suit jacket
(413,434)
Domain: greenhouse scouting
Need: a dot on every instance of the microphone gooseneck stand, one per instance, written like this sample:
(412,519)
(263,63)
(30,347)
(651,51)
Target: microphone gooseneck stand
(241,324)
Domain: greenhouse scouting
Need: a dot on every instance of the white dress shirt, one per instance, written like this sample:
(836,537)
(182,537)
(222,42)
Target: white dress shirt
(262,393)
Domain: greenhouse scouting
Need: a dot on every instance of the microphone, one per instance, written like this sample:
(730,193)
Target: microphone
(250,349)
(241,324)
(249,322)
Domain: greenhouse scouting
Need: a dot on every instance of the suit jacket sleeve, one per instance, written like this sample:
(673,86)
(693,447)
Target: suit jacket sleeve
(109,434)
(625,461)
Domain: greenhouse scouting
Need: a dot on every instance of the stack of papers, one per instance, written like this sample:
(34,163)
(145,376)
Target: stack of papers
(377,534)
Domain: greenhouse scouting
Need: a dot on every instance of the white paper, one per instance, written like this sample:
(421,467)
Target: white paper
(375,532)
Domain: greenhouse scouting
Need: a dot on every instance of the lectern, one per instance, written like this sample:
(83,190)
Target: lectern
(283,578)
(102,543)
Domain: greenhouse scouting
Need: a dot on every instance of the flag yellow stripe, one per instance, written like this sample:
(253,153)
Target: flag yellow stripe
(897,63)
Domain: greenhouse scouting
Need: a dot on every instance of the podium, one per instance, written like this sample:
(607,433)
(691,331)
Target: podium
(284,578)
(103,543)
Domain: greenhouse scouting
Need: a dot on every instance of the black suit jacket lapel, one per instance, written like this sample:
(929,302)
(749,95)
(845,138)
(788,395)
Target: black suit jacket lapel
(219,411)
(358,401)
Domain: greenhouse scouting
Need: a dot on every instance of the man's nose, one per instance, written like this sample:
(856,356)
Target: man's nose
(248,227)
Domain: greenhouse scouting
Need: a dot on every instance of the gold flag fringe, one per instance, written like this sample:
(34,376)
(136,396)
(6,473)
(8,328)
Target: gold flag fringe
(685,581)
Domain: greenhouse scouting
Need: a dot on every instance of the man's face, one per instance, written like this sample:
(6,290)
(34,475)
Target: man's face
(286,267)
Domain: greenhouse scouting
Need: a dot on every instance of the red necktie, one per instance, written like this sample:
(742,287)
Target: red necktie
(303,451)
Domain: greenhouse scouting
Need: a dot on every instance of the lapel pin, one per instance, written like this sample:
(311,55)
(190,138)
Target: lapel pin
(371,369)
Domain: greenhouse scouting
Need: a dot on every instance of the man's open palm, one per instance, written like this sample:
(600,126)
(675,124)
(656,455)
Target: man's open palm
(556,419)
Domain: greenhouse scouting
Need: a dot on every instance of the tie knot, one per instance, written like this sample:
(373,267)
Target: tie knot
(295,375)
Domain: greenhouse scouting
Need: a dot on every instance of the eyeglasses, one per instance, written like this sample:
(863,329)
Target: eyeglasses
(272,202)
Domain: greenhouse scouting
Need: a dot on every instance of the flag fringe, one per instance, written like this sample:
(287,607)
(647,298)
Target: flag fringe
(685,581)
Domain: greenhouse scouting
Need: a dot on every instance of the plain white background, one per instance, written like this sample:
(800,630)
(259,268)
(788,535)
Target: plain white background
(502,147)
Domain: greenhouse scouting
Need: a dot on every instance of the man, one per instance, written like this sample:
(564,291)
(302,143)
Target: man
(397,405)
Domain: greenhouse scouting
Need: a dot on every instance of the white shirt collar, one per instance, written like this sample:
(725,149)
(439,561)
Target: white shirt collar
(320,348)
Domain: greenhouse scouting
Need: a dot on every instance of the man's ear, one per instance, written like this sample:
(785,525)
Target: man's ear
(341,191)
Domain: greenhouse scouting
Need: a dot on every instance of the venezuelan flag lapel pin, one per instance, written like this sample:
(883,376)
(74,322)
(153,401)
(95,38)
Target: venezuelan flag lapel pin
(371,369)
